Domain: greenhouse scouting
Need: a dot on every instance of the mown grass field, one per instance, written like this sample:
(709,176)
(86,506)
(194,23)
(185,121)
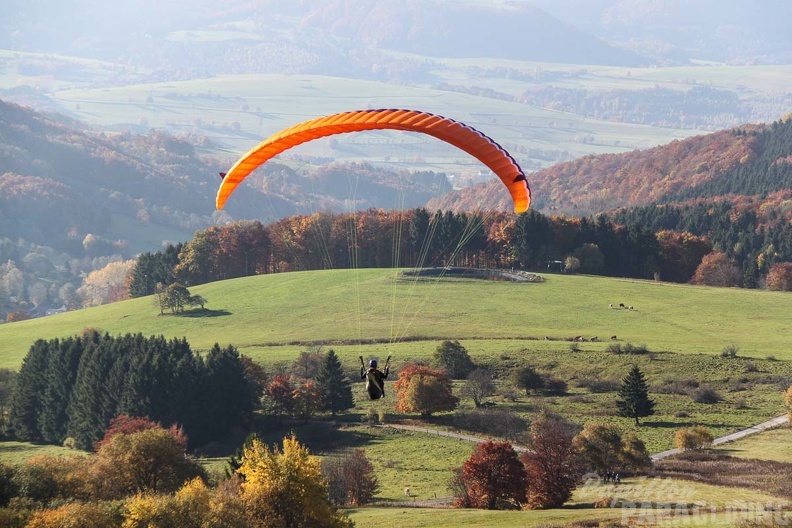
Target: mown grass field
(775,444)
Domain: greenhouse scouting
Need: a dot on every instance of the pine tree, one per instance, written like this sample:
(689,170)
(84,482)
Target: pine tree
(26,401)
(60,373)
(634,401)
(231,396)
(335,386)
(91,406)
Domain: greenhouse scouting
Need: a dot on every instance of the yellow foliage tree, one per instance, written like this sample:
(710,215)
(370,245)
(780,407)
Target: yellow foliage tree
(193,505)
(286,488)
(146,461)
(96,515)
(107,285)
(697,437)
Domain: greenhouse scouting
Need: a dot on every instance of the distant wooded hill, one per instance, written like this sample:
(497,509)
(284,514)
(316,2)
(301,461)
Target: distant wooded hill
(61,182)
(751,160)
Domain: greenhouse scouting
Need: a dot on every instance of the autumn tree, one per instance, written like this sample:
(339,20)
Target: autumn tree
(255,375)
(286,488)
(280,393)
(224,252)
(308,363)
(493,478)
(680,254)
(125,424)
(634,401)
(452,357)
(717,269)
(307,400)
(479,385)
(603,448)
(95,515)
(779,278)
(351,478)
(696,437)
(424,390)
(45,478)
(552,464)
(194,504)
(151,460)
(106,285)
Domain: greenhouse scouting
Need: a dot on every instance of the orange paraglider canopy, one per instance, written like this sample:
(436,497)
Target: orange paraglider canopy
(458,134)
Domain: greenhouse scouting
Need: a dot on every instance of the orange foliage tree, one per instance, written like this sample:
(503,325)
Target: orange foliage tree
(680,254)
(107,285)
(424,390)
(552,465)
(779,278)
(493,478)
(717,269)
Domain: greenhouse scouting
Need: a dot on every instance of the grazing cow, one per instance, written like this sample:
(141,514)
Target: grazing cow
(613,337)
(547,338)
(595,338)
(610,306)
(621,305)
(578,338)
(629,307)
(407,491)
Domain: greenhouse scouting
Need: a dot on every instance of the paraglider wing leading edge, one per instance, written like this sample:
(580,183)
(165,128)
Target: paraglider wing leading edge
(453,132)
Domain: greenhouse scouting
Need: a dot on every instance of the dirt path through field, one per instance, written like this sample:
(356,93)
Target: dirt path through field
(769,424)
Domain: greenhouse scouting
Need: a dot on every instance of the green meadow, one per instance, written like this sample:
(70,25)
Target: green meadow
(273,317)
(379,312)
(375,312)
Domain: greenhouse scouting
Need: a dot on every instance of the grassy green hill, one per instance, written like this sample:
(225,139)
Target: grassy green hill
(273,317)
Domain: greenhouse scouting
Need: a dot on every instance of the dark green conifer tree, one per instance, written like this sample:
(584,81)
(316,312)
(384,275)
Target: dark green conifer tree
(335,386)
(230,397)
(60,373)
(30,384)
(91,406)
(634,401)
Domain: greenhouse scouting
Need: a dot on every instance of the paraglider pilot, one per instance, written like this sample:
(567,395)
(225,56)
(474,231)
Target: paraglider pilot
(375,378)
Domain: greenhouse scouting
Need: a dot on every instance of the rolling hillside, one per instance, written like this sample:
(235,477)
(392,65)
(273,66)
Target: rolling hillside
(749,161)
(273,317)
(62,181)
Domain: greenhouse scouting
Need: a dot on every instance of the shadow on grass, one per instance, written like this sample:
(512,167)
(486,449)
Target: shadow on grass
(202,313)
(318,436)
(6,449)
(677,425)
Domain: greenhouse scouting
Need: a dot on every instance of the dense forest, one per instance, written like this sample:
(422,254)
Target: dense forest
(71,388)
(750,160)
(661,243)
